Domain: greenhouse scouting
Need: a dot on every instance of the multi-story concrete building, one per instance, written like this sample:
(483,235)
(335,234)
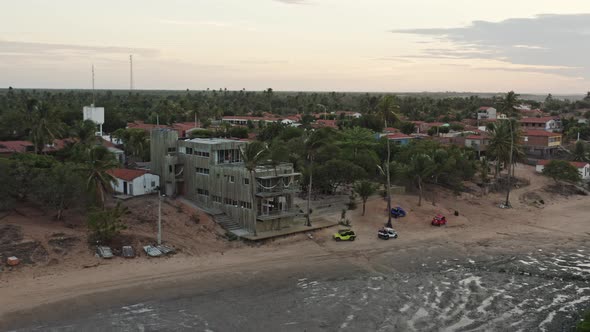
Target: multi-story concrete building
(211,173)
(486,113)
(548,123)
(540,142)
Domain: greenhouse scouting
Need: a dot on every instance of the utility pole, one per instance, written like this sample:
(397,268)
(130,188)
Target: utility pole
(93,93)
(325,111)
(159,218)
(507,203)
(131,72)
(388,181)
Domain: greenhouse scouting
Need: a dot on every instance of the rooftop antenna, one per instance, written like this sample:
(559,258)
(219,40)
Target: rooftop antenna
(93,93)
(131,72)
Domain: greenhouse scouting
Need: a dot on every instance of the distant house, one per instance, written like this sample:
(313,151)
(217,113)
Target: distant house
(344,114)
(324,123)
(112,147)
(134,182)
(8,148)
(477,142)
(540,142)
(486,112)
(532,113)
(399,138)
(183,128)
(548,123)
(582,166)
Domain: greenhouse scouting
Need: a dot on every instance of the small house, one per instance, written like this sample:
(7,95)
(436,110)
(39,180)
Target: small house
(399,138)
(582,166)
(134,182)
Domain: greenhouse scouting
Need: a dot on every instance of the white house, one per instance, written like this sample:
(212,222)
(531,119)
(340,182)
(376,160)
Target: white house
(582,166)
(486,113)
(134,182)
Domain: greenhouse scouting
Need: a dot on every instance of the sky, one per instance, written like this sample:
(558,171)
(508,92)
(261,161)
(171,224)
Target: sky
(530,46)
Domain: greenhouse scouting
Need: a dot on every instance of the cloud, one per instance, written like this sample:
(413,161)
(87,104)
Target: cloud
(216,24)
(63,50)
(294,2)
(561,42)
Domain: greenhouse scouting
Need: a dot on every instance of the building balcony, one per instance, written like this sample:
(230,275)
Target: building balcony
(278,214)
(277,191)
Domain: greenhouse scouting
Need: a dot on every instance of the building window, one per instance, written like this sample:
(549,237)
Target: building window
(232,179)
(170,168)
(189,150)
(245,205)
(246,181)
(200,170)
(153,184)
(228,201)
(203,154)
(216,199)
(228,156)
(171,150)
(204,192)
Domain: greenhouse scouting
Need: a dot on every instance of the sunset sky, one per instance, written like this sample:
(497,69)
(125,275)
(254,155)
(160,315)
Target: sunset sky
(531,46)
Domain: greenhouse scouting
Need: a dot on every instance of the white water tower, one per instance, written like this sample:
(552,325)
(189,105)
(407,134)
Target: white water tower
(94,114)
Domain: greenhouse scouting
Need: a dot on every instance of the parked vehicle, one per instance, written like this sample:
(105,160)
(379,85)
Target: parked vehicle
(387,233)
(398,212)
(128,252)
(152,251)
(345,235)
(439,220)
(104,252)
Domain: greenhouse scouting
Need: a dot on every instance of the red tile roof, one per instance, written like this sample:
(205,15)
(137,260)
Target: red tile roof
(538,120)
(127,174)
(398,136)
(576,164)
(485,108)
(544,133)
(253,118)
(14,146)
(27,146)
(477,137)
(327,123)
(143,125)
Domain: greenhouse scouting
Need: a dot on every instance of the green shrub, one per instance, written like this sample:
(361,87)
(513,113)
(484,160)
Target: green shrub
(584,325)
(106,224)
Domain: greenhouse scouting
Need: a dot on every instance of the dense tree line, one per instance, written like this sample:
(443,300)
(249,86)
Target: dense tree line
(61,109)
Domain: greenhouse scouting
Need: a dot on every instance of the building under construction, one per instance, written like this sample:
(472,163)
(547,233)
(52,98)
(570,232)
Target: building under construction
(210,172)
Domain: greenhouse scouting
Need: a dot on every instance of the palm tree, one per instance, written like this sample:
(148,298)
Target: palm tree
(252,155)
(509,103)
(277,153)
(387,110)
(421,167)
(313,142)
(504,144)
(45,126)
(99,161)
(85,132)
(580,152)
(357,138)
(365,189)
